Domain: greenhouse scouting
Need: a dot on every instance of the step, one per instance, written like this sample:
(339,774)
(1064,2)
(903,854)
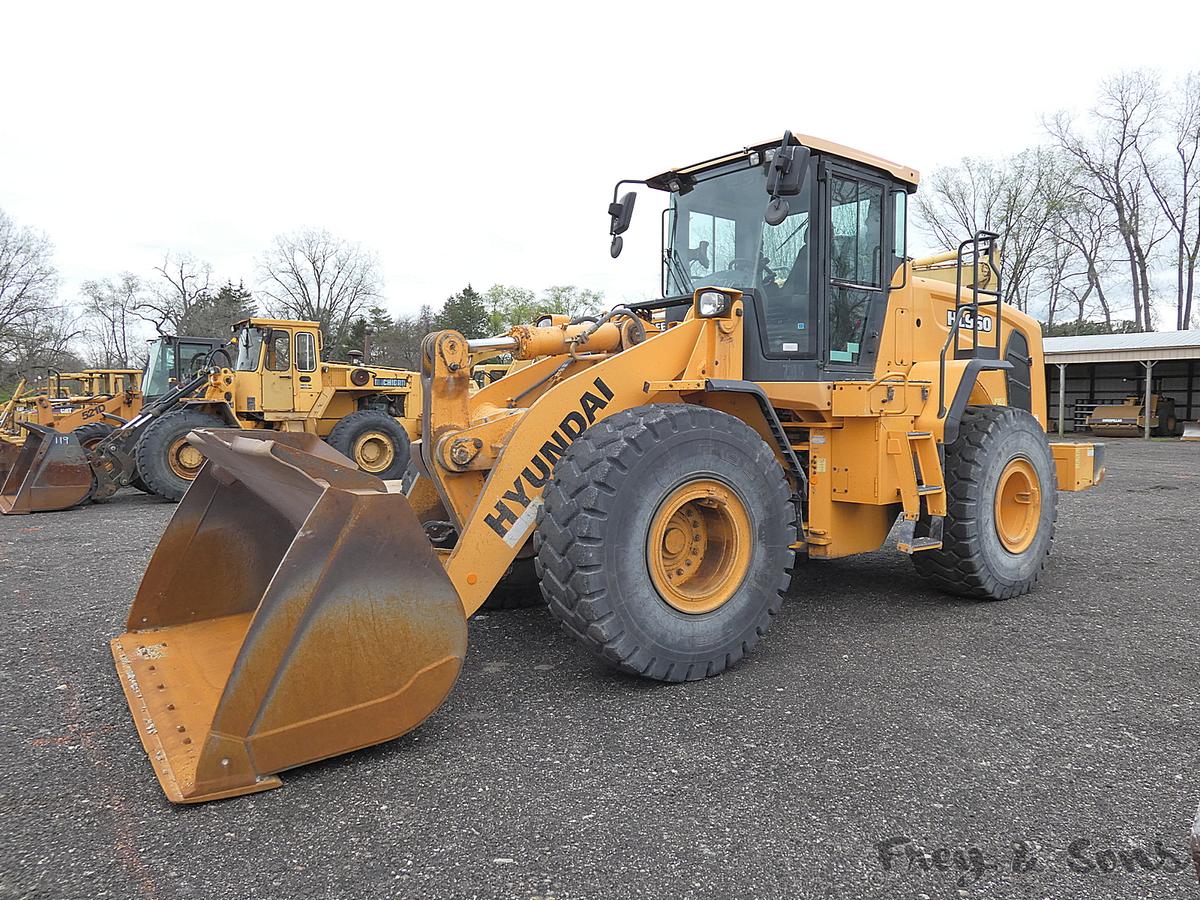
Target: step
(916,545)
(919,435)
(924,489)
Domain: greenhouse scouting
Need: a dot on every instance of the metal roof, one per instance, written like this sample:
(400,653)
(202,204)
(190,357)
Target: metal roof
(1100,348)
(898,170)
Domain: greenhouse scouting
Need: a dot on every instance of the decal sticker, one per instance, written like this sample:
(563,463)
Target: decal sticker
(513,525)
(390,382)
(964,321)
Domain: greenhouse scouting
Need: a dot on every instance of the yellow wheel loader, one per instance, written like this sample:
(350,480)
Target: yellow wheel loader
(797,389)
(96,401)
(279,382)
(87,417)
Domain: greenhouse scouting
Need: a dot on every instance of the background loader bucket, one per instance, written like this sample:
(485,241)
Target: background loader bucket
(293,610)
(9,452)
(50,472)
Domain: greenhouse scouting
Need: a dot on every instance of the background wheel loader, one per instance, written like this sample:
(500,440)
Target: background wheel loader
(109,398)
(89,416)
(798,389)
(279,382)
(276,382)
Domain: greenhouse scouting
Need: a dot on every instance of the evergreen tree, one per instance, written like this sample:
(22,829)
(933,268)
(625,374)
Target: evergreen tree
(212,315)
(465,312)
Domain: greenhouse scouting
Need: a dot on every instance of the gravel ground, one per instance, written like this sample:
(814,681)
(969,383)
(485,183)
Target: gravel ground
(1054,734)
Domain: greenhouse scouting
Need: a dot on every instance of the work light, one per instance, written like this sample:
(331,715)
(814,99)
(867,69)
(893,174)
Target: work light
(713,303)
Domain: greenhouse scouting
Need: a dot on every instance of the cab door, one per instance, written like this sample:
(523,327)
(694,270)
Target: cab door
(277,378)
(307,383)
(856,289)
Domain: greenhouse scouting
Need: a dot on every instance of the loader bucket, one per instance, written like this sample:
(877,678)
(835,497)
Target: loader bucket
(293,610)
(1191,431)
(9,451)
(50,472)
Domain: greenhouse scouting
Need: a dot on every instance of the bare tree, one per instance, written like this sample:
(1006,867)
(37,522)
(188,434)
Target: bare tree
(1015,197)
(182,283)
(313,275)
(1173,179)
(46,339)
(1084,236)
(28,282)
(110,316)
(1109,165)
(567,299)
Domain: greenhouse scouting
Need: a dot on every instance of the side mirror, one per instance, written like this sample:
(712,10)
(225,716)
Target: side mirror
(620,214)
(785,178)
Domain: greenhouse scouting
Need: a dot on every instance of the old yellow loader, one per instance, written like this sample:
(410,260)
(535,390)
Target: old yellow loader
(797,389)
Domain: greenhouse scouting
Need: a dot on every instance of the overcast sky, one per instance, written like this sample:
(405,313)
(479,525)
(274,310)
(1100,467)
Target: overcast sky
(479,143)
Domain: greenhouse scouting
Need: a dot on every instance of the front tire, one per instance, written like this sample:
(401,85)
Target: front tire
(1001,507)
(92,434)
(664,542)
(518,589)
(89,436)
(167,463)
(373,441)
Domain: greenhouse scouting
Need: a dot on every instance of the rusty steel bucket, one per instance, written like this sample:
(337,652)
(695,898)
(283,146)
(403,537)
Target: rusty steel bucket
(50,472)
(9,451)
(293,610)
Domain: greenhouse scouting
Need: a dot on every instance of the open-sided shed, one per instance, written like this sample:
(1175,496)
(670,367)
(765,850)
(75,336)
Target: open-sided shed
(1088,370)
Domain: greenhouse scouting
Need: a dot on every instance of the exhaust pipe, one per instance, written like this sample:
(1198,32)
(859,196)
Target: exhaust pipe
(294,610)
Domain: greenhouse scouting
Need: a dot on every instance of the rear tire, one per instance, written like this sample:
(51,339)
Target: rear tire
(166,462)
(373,441)
(995,542)
(664,543)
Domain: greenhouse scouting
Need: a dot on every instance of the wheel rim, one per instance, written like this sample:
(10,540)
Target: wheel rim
(373,452)
(1018,505)
(699,546)
(184,459)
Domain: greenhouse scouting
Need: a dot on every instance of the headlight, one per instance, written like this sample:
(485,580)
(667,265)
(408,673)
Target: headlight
(712,303)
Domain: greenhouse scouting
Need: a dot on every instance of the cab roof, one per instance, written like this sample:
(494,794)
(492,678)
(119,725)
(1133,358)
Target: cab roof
(899,171)
(257,321)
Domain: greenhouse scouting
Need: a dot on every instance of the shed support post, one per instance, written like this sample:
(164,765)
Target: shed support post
(1146,400)
(1062,396)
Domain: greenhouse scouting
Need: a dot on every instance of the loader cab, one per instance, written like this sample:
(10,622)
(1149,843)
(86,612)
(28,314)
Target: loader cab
(174,359)
(817,283)
(277,365)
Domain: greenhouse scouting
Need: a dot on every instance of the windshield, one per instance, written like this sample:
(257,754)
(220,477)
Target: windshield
(156,380)
(717,238)
(249,349)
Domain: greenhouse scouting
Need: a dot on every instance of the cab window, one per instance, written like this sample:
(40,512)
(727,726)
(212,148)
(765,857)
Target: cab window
(711,245)
(306,352)
(192,358)
(278,357)
(784,282)
(249,349)
(856,263)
